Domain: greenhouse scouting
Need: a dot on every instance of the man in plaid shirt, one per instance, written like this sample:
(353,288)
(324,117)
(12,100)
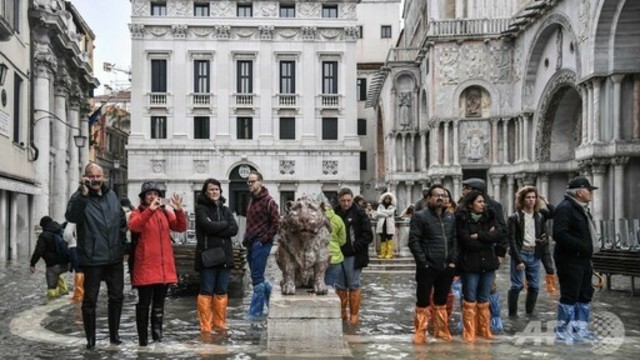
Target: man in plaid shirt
(262,225)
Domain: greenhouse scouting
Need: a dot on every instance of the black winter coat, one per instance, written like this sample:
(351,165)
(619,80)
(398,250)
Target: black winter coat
(481,254)
(46,246)
(432,239)
(215,225)
(359,234)
(516,233)
(101,227)
(571,232)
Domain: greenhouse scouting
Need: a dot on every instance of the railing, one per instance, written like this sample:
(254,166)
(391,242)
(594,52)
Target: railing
(330,100)
(158,99)
(625,237)
(201,100)
(244,100)
(466,27)
(287,100)
(402,54)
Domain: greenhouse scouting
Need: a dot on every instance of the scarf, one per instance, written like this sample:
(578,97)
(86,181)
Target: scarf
(592,226)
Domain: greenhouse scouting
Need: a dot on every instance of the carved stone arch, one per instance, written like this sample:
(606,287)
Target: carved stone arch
(487,86)
(616,41)
(559,85)
(238,193)
(546,29)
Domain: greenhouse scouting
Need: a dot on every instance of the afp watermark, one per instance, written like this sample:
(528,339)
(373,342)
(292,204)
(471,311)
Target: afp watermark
(606,327)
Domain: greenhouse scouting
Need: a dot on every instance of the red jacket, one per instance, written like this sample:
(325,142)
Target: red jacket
(153,258)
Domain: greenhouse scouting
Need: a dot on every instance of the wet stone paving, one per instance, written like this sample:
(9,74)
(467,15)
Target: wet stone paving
(34,328)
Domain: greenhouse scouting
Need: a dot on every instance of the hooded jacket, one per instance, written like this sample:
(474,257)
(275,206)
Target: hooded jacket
(338,236)
(385,215)
(215,225)
(46,246)
(154,262)
(101,226)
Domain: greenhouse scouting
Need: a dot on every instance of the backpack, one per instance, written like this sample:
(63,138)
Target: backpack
(62,248)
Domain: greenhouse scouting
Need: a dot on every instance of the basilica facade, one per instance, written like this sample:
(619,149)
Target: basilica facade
(514,92)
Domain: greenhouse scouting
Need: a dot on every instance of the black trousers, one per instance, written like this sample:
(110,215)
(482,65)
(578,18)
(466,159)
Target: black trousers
(112,275)
(574,277)
(155,293)
(438,280)
(547,261)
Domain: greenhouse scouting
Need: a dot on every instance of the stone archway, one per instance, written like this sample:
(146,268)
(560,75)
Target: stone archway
(238,192)
(558,119)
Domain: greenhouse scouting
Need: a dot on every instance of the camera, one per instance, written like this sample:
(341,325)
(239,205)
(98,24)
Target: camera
(89,183)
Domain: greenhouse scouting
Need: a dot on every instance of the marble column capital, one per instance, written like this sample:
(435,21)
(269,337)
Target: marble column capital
(409,182)
(599,167)
(510,180)
(619,160)
(496,177)
(45,64)
(617,78)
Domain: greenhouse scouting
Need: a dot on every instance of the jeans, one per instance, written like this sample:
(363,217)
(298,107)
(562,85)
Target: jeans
(113,276)
(476,286)
(257,258)
(438,280)
(531,271)
(214,280)
(348,275)
(53,273)
(332,273)
(547,262)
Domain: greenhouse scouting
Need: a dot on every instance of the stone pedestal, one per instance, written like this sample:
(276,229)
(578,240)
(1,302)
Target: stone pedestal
(305,324)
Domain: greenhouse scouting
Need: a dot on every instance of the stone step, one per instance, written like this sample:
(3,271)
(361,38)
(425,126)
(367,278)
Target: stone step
(391,267)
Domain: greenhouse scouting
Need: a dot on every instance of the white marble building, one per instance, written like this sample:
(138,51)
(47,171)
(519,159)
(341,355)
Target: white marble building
(223,87)
(516,92)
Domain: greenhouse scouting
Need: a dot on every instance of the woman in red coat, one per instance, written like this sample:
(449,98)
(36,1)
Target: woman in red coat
(153,266)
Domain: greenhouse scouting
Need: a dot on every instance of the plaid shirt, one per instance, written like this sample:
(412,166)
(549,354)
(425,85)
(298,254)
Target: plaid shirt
(263,218)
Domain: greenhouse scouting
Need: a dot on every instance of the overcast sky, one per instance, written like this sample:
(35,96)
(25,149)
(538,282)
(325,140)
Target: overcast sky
(109,22)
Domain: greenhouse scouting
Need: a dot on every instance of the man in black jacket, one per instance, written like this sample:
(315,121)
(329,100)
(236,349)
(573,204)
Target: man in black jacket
(574,234)
(355,251)
(433,243)
(56,264)
(101,229)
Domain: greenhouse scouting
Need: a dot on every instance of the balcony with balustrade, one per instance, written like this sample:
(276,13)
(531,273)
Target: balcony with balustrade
(468,28)
(244,101)
(201,100)
(329,101)
(158,100)
(287,101)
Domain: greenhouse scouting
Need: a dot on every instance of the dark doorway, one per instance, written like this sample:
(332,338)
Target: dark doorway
(474,173)
(238,191)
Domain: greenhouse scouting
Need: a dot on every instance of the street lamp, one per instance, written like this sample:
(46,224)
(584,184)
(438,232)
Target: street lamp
(80,140)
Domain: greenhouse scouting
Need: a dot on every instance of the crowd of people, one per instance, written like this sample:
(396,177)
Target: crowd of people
(464,241)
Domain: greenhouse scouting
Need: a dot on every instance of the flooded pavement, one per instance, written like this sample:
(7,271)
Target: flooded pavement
(33,327)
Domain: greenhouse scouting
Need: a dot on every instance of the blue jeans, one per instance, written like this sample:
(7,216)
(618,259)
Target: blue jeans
(531,271)
(257,258)
(476,286)
(214,280)
(348,276)
(331,275)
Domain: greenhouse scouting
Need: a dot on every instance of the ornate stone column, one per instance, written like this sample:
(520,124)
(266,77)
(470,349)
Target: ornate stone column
(496,180)
(597,82)
(598,169)
(74,121)
(434,154)
(619,198)
(13,224)
(510,192)
(525,136)
(456,188)
(423,151)
(392,153)
(584,94)
(412,160)
(505,140)
(60,185)
(589,112)
(494,141)
(403,152)
(445,159)
(543,188)
(617,94)
(636,107)
(460,9)
(44,68)
(517,134)
(456,140)
(408,191)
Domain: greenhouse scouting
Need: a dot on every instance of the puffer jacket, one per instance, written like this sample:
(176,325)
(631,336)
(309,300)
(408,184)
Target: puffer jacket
(338,236)
(385,215)
(432,239)
(481,254)
(46,246)
(101,227)
(359,234)
(215,225)
(154,262)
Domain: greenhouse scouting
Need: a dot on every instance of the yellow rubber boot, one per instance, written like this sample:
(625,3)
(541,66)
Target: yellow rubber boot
(390,249)
(52,294)
(62,286)
(383,250)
